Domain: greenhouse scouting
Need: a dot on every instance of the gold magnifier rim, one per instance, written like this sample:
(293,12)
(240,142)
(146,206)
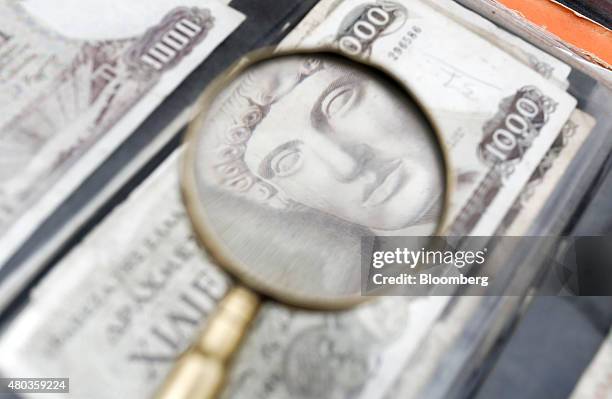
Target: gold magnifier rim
(206,234)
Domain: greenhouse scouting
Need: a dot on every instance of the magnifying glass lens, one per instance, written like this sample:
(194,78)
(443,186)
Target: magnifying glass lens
(296,159)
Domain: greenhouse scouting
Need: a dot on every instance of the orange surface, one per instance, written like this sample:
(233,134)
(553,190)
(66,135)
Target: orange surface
(563,23)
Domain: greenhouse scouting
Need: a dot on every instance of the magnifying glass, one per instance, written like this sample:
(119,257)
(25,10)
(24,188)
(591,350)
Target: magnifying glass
(294,158)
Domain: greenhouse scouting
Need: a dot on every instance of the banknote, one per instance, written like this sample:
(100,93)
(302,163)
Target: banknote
(595,382)
(75,81)
(497,117)
(428,360)
(139,289)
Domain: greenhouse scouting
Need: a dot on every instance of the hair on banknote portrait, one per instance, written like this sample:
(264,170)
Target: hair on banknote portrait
(316,152)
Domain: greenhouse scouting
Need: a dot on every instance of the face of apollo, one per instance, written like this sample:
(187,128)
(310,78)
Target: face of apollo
(349,144)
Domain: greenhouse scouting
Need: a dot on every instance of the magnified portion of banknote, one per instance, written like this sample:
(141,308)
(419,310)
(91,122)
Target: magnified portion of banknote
(76,81)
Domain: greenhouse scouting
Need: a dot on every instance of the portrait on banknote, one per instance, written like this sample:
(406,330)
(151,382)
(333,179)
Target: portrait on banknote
(318,152)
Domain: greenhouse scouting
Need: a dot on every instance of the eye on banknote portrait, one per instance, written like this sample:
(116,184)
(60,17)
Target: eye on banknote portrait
(317,152)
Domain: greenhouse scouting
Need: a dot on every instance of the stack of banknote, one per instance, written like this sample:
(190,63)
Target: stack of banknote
(116,311)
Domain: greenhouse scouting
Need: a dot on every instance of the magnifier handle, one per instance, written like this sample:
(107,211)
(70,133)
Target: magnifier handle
(199,373)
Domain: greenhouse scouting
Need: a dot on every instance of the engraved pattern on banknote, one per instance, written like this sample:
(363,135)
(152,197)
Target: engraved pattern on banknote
(104,81)
(324,362)
(506,139)
(87,98)
(367,23)
(538,176)
(163,46)
(512,131)
(313,355)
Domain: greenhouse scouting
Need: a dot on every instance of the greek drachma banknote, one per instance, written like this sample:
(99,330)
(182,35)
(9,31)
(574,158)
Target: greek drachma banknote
(133,308)
(497,116)
(75,81)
